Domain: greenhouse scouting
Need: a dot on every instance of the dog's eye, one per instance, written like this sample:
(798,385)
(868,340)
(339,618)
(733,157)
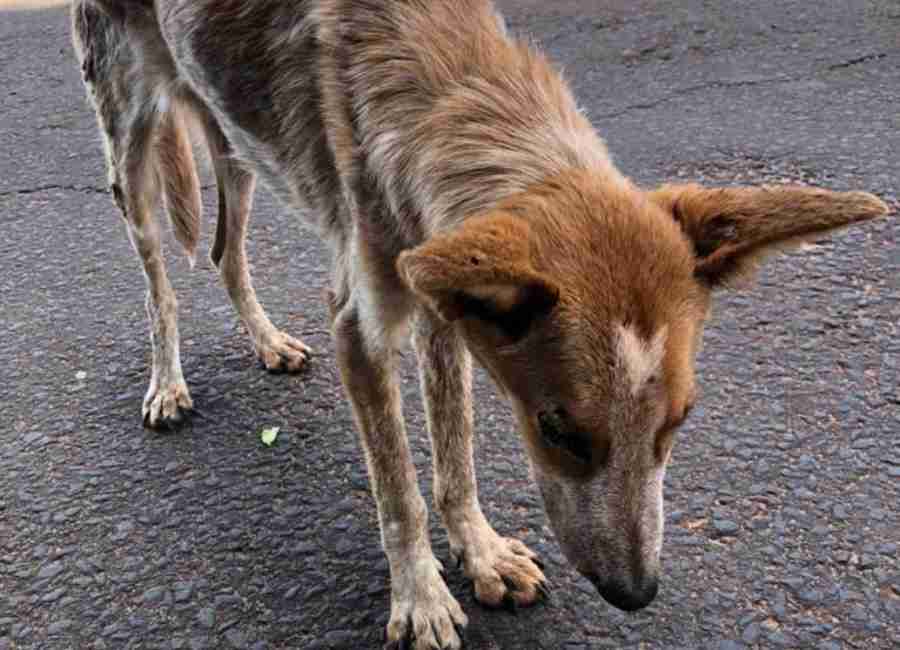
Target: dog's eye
(557,432)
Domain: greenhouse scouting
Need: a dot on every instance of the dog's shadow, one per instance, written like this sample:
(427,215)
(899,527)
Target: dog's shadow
(282,542)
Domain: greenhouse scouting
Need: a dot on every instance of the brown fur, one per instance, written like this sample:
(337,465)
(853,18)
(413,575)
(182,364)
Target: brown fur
(461,191)
(733,228)
(181,187)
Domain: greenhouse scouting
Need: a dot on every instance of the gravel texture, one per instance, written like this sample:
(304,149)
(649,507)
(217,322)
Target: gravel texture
(782,516)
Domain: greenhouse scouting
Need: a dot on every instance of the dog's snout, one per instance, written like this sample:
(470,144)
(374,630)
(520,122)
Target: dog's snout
(625,598)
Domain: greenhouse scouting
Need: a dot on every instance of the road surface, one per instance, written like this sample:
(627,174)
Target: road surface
(782,498)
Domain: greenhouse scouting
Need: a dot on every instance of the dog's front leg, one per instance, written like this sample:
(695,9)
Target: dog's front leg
(504,570)
(422,608)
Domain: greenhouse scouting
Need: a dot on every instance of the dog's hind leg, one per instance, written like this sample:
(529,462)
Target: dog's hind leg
(167,397)
(135,119)
(276,350)
(422,607)
(503,570)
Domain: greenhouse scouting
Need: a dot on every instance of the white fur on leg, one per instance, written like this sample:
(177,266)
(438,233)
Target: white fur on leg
(167,399)
(422,607)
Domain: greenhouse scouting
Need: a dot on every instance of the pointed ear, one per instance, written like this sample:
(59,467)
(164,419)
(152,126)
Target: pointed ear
(733,228)
(481,269)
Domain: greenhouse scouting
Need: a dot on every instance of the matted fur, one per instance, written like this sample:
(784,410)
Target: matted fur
(461,190)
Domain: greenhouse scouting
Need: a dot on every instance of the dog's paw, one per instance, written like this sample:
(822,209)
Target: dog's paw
(166,404)
(505,572)
(279,352)
(424,614)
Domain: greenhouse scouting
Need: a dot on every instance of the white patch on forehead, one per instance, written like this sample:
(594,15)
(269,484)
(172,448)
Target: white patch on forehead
(641,359)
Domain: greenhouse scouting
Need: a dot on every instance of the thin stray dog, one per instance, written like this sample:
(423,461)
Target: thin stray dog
(463,193)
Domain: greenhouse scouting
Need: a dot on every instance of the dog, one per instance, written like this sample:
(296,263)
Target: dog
(466,200)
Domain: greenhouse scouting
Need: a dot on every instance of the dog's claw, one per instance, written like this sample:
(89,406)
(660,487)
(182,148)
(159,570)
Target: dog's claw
(545,594)
(167,423)
(461,633)
(509,601)
(436,634)
(538,563)
(403,644)
(272,370)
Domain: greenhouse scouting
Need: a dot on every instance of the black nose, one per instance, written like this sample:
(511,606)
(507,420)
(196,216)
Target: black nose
(629,600)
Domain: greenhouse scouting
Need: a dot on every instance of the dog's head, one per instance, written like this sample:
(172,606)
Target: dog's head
(586,302)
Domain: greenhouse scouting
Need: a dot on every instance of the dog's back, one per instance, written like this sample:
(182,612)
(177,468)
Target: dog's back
(321,96)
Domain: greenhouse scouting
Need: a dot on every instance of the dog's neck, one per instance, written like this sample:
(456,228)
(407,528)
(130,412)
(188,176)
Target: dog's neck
(486,137)
(488,163)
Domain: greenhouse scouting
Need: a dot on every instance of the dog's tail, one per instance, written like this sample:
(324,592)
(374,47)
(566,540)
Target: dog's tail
(177,172)
(106,51)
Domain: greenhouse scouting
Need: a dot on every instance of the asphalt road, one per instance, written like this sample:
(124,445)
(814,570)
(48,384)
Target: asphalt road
(782,498)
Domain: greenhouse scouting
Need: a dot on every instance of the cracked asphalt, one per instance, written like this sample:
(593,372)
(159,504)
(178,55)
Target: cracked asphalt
(782,498)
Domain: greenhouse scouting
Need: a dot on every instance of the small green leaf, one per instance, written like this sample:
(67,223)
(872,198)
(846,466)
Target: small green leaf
(268,435)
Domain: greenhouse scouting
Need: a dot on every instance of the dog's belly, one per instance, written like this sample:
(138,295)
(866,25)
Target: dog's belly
(254,64)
